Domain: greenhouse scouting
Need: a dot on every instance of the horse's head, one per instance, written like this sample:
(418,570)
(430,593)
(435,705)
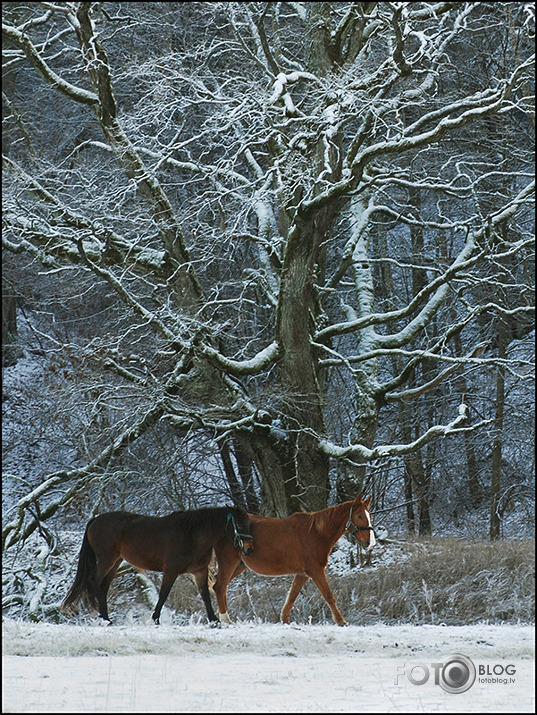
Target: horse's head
(359,523)
(239,524)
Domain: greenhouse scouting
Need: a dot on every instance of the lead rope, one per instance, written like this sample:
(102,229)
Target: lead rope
(237,536)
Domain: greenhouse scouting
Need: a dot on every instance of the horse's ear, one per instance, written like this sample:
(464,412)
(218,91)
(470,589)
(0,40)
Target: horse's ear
(368,502)
(359,497)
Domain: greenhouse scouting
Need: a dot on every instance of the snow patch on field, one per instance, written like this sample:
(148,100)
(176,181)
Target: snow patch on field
(256,667)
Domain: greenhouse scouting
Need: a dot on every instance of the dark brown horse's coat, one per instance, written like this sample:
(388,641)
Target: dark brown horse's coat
(181,542)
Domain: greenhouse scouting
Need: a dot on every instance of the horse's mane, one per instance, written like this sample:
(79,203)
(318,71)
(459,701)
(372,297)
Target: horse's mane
(320,520)
(203,518)
(197,518)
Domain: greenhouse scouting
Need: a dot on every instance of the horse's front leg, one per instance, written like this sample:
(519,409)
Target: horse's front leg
(319,577)
(168,579)
(202,581)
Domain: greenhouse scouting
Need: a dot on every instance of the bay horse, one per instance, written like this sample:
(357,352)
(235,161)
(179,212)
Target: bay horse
(298,544)
(181,542)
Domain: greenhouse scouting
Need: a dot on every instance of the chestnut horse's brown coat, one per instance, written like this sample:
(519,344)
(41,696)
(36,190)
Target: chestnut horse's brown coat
(299,544)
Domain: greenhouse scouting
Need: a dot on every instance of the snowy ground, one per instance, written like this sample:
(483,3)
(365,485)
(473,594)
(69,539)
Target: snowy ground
(260,667)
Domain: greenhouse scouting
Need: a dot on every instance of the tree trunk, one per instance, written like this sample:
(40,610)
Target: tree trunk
(306,468)
(409,498)
(495,486)
(234,485)
(420,473)
(10,351)
(471,459)
(245,467)
(416,480)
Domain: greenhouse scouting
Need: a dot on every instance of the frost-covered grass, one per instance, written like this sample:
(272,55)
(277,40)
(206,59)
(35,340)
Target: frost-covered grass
(431,581)
(256,667)
(422,581)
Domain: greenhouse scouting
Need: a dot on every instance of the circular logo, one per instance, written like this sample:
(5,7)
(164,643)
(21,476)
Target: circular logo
(457,674)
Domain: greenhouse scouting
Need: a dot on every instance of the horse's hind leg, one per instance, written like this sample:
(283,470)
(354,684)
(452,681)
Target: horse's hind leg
(299,580)
(201,578)
(319,577)
(102,584)
(229,566)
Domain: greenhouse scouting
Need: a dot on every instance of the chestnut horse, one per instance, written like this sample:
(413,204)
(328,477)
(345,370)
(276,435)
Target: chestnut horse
(181,542)
(299,544)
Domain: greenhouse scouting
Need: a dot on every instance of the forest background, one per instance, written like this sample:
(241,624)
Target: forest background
(272,254)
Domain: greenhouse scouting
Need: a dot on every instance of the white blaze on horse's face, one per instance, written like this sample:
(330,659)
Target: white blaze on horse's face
(372,540)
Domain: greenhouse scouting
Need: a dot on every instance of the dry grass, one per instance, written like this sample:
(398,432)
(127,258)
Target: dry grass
(422,581)
(434,581)
(446,581)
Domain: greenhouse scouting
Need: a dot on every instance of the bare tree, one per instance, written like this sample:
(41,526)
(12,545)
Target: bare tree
(241,176)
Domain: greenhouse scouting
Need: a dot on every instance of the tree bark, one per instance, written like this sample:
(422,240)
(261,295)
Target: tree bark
(496,476)
(301,400)
(474,489)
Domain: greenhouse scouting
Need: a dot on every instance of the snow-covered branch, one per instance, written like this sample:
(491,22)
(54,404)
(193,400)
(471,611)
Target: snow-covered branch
(21,527)
(363,454)
(69,90)
(473,251)
(253,366)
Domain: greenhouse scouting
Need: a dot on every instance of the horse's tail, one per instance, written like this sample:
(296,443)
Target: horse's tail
(84,587)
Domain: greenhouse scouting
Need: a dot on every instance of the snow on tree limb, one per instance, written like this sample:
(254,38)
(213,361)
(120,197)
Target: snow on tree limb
(472,252)
(21,527)
(254,365)
(69,90)
(363,454)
